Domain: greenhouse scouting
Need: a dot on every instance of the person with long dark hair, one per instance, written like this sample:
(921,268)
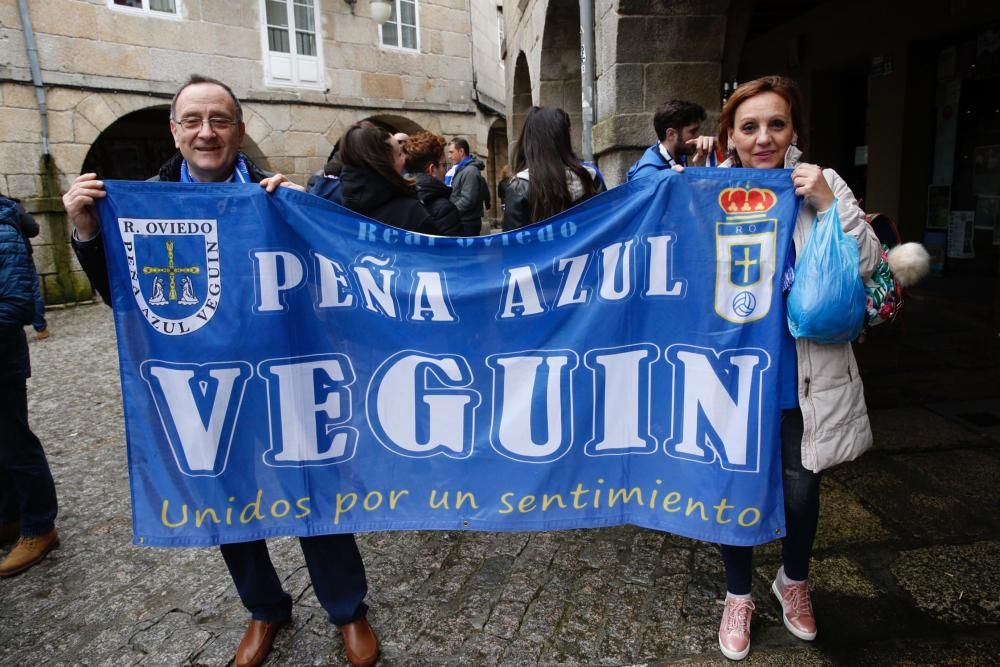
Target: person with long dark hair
(372,180)
(425,162)
(548,176)
(824,420)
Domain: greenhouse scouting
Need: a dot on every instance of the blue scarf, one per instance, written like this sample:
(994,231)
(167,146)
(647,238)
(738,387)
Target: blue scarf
(457,168)
(240,174)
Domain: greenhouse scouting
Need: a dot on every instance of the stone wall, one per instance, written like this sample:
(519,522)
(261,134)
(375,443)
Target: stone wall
(486,40)
(525,22)
(104,64)
(647,52)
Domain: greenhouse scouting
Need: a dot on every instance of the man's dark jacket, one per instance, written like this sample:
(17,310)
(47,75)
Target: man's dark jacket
(434,195)
(469,193)
(91,252)
(17,301)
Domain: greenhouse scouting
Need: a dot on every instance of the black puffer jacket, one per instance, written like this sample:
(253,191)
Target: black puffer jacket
(368,193)
(91,252)
(17,303)
(26,223)
(434,195)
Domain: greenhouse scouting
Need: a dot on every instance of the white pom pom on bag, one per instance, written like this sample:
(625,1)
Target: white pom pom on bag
(909,263)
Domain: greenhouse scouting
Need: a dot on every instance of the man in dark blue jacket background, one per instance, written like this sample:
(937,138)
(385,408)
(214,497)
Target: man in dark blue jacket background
(679,145)
(27,492)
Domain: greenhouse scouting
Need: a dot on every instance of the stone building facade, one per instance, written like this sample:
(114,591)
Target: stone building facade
(305,70)
(901,97)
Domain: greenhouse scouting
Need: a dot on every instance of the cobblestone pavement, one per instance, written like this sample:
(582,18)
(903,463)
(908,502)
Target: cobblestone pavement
(906,568)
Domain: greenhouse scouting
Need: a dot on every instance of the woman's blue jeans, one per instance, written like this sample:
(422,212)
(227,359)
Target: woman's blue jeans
(801,489)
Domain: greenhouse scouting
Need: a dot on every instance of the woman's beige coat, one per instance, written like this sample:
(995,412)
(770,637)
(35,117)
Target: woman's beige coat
(831,396)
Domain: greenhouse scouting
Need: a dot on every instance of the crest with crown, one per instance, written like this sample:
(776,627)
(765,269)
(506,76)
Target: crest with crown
(746,203)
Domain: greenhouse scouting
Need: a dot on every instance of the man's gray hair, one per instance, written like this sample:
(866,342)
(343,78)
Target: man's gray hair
(198,78)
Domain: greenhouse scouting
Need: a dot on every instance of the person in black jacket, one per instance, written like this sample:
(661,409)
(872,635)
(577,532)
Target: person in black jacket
(469,191)
(373,183)
(548,176)
(425,161)
(207,124)
(27,492)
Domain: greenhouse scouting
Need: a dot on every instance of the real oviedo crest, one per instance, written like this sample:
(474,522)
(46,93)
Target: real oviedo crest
(745,248)
(175,271)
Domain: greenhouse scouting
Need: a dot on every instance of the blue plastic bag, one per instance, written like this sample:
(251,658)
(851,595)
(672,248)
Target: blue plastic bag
(827,301)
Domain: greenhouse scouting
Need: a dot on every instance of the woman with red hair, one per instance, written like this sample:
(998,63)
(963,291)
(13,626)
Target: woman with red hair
(824,420)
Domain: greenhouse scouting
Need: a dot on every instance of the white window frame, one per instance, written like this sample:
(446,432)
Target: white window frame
(399,33)
(146,11)
(295,60)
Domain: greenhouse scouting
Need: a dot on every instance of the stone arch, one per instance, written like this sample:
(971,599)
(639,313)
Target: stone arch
(559,74)
(132,147)
(252,151)
(496,158)
(395,123)
(522,95)
(135,145)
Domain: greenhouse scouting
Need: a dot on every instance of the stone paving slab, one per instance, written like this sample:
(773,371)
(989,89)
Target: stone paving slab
(981,416)
(905,569)
(924,429)
(953,583)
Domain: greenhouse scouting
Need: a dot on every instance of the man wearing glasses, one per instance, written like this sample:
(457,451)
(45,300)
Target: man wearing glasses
(207,125)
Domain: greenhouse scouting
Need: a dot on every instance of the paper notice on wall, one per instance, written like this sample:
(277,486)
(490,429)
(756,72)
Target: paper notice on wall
(961,235)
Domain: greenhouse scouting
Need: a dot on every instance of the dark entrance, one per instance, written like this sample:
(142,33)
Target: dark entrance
(133,147)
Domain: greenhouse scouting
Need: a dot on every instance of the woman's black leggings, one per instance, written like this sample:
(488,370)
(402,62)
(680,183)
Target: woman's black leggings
(801,488)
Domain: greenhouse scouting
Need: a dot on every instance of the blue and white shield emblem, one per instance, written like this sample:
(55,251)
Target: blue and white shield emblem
(175,271)
(745,265)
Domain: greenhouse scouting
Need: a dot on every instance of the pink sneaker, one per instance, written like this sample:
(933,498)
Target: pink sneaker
(734,631)
(796,606)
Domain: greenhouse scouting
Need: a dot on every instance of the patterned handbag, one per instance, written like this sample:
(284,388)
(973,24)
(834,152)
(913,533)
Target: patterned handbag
(884,293)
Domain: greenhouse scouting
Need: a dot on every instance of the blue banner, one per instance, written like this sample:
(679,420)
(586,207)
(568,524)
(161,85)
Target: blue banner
(292,368)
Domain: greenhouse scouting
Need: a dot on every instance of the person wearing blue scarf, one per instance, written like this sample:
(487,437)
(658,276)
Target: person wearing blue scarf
(207,125)
(241,173)
(469,191)
(450,174)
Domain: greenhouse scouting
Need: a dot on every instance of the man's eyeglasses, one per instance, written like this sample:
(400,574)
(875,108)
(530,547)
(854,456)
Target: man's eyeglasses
(193,123)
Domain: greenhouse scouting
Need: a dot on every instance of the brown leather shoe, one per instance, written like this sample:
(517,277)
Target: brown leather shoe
(360,643)
(9,532)
(257,642)
(27,552)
